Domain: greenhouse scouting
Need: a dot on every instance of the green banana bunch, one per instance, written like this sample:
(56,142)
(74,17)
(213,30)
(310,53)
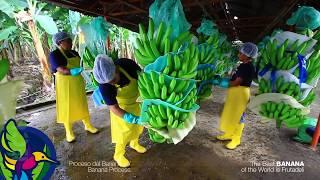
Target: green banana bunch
(113,54)
(88,58)
(309,99)
(283,60)
(288,88)
(153,86)
(183,65)
(282,113)
(165,117)
(205,74)
(222,67)
(155,137)
(202,38)
(207,54)
(264,86)
(190,100)
(307,32)
(226,47)
(152,44)
(279,58)
(213,40)
(205,92)
(313,66)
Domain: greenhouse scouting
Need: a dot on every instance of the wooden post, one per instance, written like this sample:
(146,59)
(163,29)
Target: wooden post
(316,136)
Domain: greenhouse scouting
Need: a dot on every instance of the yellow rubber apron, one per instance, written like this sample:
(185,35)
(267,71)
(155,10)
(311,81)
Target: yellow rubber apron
(121,131)
(71,99)
(235,104)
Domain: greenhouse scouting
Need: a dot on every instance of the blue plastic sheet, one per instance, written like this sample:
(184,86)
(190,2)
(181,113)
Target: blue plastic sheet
(170,12)
(207,27)
(148,102)
(305,17)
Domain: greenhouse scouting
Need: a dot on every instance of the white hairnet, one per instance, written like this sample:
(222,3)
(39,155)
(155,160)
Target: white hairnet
(60,36)
(103,69)
(249,49)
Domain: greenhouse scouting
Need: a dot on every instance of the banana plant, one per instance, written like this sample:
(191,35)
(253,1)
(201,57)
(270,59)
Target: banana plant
(37,22)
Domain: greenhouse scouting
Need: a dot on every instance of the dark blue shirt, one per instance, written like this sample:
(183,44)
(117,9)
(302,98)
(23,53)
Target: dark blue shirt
(57,59)
(109,91)
(246,71)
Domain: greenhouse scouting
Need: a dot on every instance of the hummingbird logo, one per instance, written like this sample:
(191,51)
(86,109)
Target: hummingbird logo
(26,153)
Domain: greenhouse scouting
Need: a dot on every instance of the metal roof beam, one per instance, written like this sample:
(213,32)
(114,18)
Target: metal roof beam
(280,16)
(133,6)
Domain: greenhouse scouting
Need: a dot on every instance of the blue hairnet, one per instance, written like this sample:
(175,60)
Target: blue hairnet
(60,36)
(305,17)
(249,49)
(103,69)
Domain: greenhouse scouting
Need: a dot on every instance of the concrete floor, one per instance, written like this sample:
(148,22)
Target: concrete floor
(198,156)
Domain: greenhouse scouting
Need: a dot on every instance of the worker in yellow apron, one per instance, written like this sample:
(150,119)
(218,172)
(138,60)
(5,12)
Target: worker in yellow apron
(71,99)
(238,94)
(118,86)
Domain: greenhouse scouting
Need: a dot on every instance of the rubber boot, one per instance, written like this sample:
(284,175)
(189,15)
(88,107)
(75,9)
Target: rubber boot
(236,138)
(69,132)
(88,126)
(119,157)
(134,144)
(224,137)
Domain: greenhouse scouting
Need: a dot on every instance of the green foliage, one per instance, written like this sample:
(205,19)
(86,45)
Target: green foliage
(5,33)
(6,8)
(47,23)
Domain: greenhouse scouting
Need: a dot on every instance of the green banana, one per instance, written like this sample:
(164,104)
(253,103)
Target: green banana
(164,92)
(172,85)
(162,112)
(150,28)
(160,34)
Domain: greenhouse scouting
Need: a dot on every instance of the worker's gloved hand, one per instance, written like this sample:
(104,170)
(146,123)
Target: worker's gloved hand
(76,71)
(216,80)
(224,82)
(132,119)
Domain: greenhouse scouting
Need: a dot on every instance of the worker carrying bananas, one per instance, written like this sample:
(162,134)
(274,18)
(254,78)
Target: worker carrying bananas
(231,122)
(71,99)
(118,86)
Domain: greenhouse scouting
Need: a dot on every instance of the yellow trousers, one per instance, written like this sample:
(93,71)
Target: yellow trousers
(235,104)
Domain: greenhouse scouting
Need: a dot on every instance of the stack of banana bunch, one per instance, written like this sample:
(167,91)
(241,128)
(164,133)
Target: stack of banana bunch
(207,57)
(88,59)
(152,44)
(173,84)
(284,58)
(212,53)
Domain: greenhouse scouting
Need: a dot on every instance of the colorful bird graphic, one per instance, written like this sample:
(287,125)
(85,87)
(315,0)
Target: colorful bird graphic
(17,161)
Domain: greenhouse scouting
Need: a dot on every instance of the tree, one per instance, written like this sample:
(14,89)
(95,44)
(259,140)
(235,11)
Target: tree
(28,13)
